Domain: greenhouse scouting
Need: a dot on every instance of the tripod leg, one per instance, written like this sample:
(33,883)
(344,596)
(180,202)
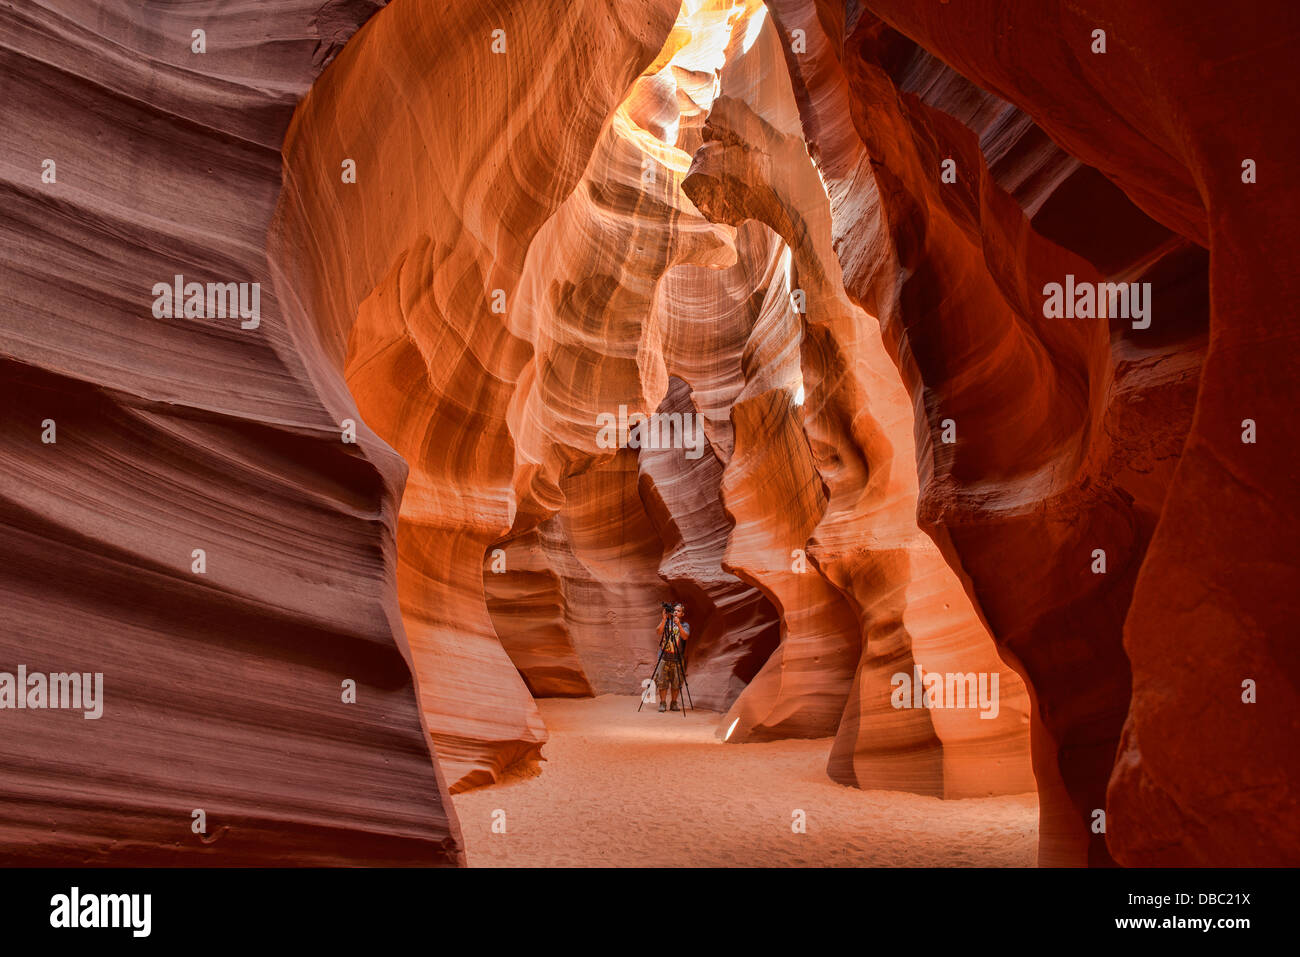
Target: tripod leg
(681,676)
(686,688)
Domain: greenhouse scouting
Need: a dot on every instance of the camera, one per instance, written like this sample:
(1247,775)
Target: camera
(668,606)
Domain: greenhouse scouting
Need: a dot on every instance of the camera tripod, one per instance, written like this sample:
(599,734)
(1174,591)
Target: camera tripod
(670,631)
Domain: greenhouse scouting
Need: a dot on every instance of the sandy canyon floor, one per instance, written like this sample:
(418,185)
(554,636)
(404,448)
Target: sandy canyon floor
(620,788)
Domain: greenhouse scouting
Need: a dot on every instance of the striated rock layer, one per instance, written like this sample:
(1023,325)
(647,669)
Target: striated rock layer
(534,552)
(411,279)
(453,298)
(223,687)
(1075,436)
(908,608)
(822,236)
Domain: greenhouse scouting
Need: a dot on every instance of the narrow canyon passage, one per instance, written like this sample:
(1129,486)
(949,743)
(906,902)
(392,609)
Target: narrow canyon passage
(620,788)
(525,343)
(821,238)
(966,333)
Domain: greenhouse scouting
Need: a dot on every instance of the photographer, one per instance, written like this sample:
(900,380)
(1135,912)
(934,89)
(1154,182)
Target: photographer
(673,633)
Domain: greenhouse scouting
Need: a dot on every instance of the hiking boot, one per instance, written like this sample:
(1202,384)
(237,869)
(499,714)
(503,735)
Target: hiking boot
(674,707)
(662,707)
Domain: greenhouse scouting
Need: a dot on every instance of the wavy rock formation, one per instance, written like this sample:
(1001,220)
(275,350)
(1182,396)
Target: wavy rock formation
(809,239)
(910,609)
(529,607)
(1075,436)
(412,279)
(734,626)
(195,531)
(626,302)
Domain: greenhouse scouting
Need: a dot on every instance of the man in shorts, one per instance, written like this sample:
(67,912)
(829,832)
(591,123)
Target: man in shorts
(673,646)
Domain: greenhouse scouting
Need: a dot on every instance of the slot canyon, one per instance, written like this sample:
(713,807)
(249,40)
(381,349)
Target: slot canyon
(805,242)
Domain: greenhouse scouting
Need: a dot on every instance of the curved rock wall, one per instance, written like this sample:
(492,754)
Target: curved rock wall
(408,278)
(628,301)
(903,602)
(489,236)
(222,680)
(1077,435)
